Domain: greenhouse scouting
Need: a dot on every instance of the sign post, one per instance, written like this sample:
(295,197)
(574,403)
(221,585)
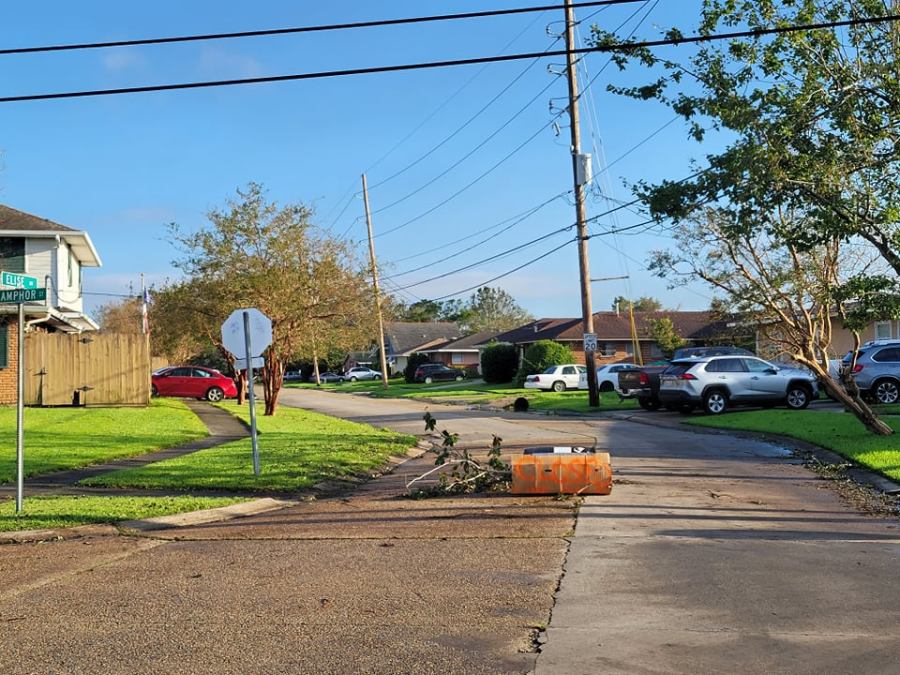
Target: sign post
(248,332)
(24,290)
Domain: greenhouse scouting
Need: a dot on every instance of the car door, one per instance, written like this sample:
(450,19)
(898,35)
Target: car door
(764,380)
(733,374)
(176,384)
(570,377)
(201,380)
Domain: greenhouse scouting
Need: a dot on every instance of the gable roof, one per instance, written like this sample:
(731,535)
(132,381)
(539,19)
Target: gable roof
(407,337)
(18,223)
(469,343)
(612,326)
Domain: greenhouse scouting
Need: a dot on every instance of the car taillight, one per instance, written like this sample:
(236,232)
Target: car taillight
(687,376)
(419,373)
(857,368)
(643,378)
(532,378)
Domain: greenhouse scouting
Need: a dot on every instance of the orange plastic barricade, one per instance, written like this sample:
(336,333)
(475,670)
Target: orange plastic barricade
(553,473)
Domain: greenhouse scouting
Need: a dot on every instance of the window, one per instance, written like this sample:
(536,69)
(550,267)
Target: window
(581,369)
(71,267)
(569,370)
(757,366)
(456,358)
(12,254)
(725,366)
(882,330)
(550,371)
(889,355)
(4,345)
(200,373)
(180,372)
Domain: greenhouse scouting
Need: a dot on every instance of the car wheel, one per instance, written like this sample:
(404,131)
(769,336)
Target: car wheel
(649,404)
(886,391)
(353,379)
(214,394)
(606,385)
(429,380)
(797,398)
(459,378)
(686,408)
(715,402)
(558,386)
(153,390)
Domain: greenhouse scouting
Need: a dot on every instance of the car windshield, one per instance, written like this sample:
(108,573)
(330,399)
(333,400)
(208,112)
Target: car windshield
(550,370)
(677,369)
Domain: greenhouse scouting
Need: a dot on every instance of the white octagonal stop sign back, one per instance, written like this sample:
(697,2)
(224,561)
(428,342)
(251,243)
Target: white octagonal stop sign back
(260,332)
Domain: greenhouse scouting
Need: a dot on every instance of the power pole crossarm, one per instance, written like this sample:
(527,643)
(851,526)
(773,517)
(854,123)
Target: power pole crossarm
(384,374)
(581,216)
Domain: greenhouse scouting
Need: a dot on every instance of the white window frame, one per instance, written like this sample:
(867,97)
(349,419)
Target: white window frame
(456,357)
(881,324)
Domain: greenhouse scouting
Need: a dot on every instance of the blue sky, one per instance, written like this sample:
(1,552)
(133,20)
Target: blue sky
(123,167)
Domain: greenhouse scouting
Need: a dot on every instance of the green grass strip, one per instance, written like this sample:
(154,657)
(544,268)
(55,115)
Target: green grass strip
(68,438)
(837,431)
(297,449)
(57,512)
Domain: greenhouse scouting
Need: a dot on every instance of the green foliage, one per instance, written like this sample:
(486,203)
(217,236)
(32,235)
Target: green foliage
(643,304)
(540,356)
(492,309)
(663,331)
(499,362)
(413,362)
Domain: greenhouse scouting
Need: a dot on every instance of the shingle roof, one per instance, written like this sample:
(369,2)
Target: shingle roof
(612,326)
(469,342)
(406,337)
(15,220)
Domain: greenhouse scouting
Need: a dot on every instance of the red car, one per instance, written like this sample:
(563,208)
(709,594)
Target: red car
(193,382)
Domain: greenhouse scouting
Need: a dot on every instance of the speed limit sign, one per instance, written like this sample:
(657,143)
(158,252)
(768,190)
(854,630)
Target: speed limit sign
(590,342)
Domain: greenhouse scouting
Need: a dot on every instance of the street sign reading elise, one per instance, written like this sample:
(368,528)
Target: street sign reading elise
(18,280)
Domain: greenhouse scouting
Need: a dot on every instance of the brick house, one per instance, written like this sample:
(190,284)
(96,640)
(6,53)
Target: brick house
(463,353)
(614,334)
(56,255)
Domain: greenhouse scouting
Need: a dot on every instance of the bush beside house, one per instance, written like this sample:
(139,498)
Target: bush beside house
(499,362)
(540,356)
(413,362)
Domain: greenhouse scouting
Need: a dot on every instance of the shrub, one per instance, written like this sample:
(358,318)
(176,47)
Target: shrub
(540,356)
(499,363)
(471,372)
(414,361)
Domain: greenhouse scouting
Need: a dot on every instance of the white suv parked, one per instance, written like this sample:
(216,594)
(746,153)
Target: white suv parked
(715,383)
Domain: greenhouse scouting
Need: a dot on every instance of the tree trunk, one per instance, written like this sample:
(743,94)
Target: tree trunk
(855,404)
(241,383)
(272,382)
(316,368)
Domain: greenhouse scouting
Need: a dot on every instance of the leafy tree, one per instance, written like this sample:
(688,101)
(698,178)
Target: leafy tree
(643,304)
(263,255)
(540,356)
(499,362)
(121,316)
(811,118)
(492,309)
(663,331)
(422,311)
(412,363)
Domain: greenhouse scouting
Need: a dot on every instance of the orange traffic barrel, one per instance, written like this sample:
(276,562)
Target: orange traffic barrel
(554,471)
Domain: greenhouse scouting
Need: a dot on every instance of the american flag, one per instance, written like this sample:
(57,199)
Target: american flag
(145,318)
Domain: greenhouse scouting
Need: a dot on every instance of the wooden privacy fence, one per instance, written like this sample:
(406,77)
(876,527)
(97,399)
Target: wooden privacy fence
(87,369)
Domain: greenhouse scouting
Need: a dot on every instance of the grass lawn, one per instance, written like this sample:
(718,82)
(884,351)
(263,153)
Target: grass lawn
(58,512)
(67,438)
(837,431)
(887,409)
(463,392)
(297,450)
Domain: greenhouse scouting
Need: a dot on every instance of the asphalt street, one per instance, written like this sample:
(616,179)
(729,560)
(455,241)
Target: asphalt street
(713,554)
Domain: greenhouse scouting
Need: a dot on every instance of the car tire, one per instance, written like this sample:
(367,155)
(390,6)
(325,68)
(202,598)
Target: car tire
(648,403)
(558,386)
(353,379)
(605,386)
(459,378)
(154,391)
(886,392)
(798,397)
(715,402)
(429,380)
(214,394)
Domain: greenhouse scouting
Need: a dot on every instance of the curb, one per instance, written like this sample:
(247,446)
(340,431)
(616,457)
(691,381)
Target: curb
(855,472)
(206,516)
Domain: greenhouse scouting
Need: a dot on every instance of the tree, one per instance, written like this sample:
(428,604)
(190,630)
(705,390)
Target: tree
(121,316)
(412,364)
(643,304)
(811,117)
(663,331)
(788,293)
(499,362)
(271,257)
(541,355)
(492,309)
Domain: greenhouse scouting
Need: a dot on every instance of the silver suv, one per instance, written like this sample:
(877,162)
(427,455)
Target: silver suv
(714,383)
(877,371)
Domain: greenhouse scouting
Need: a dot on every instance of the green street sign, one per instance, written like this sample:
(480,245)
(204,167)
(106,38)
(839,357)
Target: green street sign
(20,295)
(18,280)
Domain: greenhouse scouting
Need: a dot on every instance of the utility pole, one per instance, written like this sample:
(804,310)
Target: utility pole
(384,375)
(587,311)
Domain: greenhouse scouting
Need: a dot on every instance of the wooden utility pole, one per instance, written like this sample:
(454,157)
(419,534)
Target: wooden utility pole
(384,374)
(587,311)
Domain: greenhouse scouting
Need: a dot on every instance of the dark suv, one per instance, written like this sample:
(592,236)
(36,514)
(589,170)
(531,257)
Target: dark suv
(433,372)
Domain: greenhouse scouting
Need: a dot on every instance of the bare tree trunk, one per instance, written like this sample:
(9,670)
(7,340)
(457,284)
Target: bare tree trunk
(852,403)
(241,382)
(316,368)
(272,382)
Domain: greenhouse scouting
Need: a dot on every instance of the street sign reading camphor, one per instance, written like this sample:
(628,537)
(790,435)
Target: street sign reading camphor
(20,295)
(18,280)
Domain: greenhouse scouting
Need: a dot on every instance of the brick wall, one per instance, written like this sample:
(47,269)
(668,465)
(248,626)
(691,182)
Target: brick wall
(8,374)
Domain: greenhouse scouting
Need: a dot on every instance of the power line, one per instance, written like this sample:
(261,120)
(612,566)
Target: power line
(621,47)
(378,23)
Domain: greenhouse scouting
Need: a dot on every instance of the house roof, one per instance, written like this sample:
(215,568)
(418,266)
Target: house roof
(612,326)
(407,337)
(18,223)
(469,343)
